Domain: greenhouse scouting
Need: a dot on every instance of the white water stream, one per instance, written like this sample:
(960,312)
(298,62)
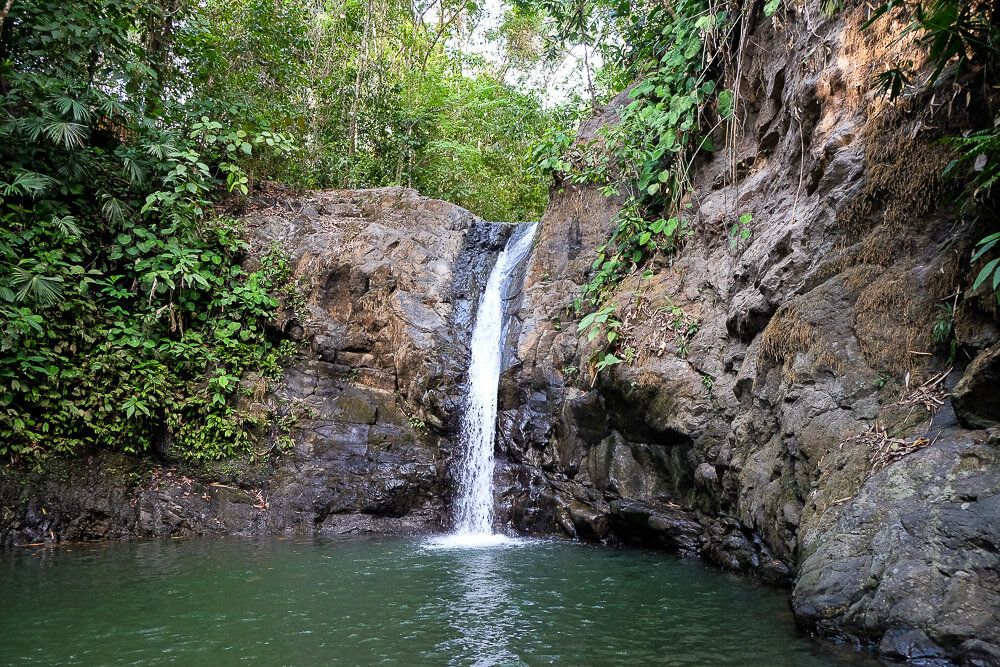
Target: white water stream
(474,509)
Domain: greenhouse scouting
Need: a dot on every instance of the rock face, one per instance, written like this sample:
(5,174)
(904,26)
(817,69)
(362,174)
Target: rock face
(787,413)
(389,281)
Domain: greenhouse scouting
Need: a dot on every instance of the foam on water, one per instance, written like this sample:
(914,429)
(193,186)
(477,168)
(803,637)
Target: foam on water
(473,541)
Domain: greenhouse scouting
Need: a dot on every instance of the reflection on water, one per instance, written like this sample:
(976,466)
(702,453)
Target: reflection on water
(387,601)
(483,612)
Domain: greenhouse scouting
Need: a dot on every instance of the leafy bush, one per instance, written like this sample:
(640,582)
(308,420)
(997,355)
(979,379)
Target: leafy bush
(125,316)
(126,320)
(646,156)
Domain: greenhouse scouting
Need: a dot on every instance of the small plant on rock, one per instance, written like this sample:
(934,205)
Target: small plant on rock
(740,231)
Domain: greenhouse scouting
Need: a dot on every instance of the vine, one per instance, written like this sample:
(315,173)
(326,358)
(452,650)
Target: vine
(650,150)
(645,158)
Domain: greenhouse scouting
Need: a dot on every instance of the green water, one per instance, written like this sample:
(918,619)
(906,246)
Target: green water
(386,601)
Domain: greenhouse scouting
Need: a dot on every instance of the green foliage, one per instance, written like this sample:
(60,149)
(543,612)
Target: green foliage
(740,231)
(376,98)
(607,361)
(683,325)
(979,164)
(549,157)
(645,158)
(960,36)
(943,331)
(989,274)
(593,323)
(468,143)
(126,127)
(963,40)
(650,150)
(125,316)
(980,153)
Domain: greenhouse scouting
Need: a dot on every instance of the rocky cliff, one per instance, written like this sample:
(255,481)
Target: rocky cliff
(787,413)
(387,282)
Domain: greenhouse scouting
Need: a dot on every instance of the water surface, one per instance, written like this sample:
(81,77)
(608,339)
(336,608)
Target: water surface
(387,601)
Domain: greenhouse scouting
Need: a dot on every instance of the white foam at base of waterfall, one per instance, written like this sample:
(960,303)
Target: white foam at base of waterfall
(473,541)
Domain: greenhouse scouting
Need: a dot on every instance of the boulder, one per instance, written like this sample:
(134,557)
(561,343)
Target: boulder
(977,395)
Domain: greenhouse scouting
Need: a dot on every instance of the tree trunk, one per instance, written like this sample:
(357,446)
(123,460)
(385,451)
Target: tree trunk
(352,131)
(3,13)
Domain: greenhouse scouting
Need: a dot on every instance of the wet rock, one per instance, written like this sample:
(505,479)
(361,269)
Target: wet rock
(670,528)
(705,475)
(976,397)
(803,425)
(913,645)
(917,549)
(977,653)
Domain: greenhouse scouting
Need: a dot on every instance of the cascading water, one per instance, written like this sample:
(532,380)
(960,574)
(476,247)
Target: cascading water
(474,516)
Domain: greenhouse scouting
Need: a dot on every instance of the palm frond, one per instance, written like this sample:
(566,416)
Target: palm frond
(33,126)
(136,174)
(75,166)
(69,106)
(111,107)
(45,290)
(29,183)
(70,135)
(159,151)
(66,225)
(114,209)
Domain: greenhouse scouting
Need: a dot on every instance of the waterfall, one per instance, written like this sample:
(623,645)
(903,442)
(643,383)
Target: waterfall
(475,500)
